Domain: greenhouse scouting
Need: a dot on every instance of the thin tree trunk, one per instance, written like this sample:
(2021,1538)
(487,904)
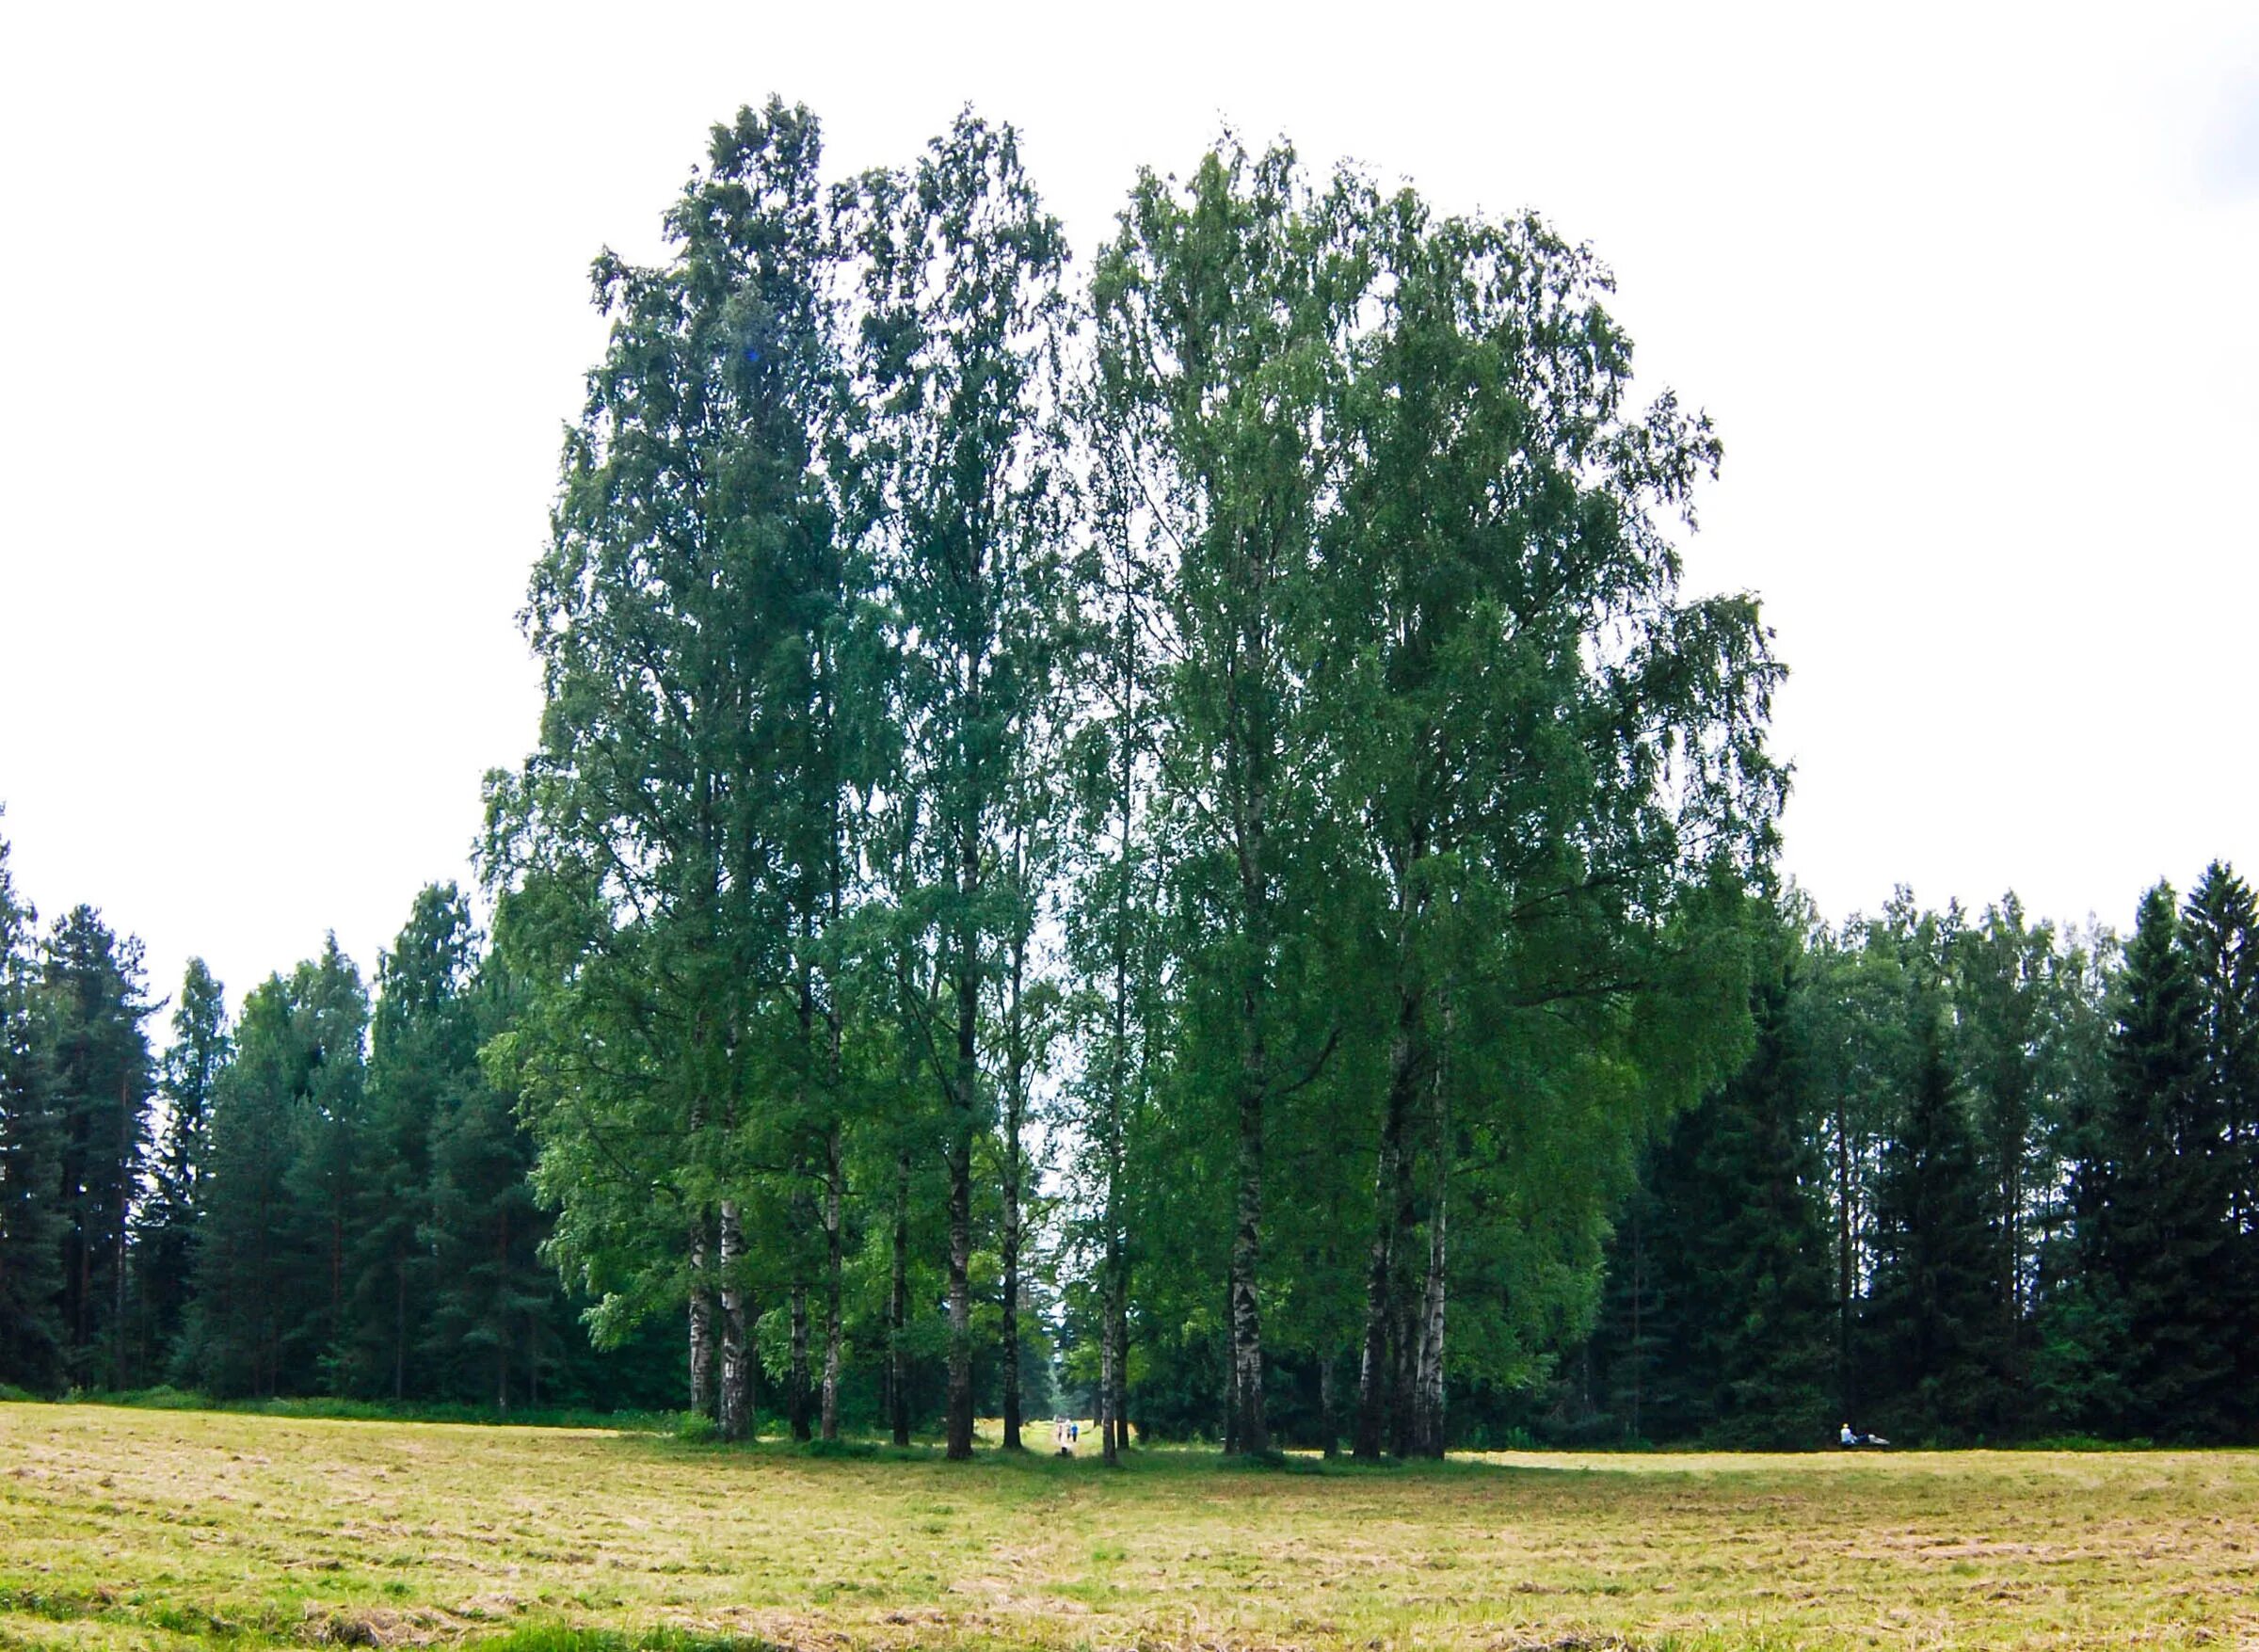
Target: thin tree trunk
(1638,1295)
(1231,1367)
(797,1400)
(1327,1430)
(1389,1198)
(1846,1398)
(125,1176)
(701,1325)
(399,1328)
(834,1189)
(898,1305)
(1247,1240)
(962,1101)
(1427,1400)
(502,1342)
(1014,1077)
(959,1405)
(835,1169)
(735,1409)
(1403,1350)
(1121,1356)
(1109,1447)
(1428,1392)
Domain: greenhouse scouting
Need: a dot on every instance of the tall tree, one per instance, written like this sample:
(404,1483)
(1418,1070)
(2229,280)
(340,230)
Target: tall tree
(166,1235)
(32,1218)
(330,1017)
(101,1070)
(1935,1335)
(1540,737)
(2219,928)
(423,1058)
(495,1302)
(957,484)
(2026,1028)
(278,1213)
(646,874)
(2150,1199)
(1214,306)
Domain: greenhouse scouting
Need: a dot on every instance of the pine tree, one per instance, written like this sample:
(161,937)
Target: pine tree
(32,1219)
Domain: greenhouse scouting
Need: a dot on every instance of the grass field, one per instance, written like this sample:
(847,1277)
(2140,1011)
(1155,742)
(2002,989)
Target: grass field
(181,1529)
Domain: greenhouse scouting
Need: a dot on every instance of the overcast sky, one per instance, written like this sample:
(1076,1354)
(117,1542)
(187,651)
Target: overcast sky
(297,303)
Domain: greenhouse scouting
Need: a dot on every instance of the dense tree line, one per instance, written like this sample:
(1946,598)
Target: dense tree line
(1168,841)
(317,1196)
(1982,1180)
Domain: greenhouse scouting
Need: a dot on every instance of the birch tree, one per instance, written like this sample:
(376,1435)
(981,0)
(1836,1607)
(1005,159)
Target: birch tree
(957,485)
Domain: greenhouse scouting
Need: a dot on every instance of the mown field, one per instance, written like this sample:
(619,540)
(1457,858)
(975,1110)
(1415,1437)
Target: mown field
(172,1529)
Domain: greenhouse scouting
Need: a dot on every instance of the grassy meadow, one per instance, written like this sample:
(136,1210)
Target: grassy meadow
(166,1528)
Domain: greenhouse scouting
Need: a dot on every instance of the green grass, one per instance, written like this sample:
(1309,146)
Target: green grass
(168,1528)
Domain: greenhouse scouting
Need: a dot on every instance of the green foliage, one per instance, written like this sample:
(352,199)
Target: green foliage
(1718,1319)
(1178,848)
(285,1127)
(32,1221)
(1932,1344)
(99,1066)
(2155,1185)
(165,1225)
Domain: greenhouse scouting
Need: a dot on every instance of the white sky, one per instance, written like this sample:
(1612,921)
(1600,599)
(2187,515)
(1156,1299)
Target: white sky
(297,301)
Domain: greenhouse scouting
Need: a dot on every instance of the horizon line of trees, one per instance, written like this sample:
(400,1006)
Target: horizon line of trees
(1978,1179)
(1175,831)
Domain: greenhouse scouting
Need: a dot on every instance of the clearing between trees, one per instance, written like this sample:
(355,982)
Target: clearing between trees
(172,1530)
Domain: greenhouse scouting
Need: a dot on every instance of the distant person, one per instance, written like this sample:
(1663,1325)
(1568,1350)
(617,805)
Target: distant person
(1061,1436)
(1074,1432)
(1851,1436)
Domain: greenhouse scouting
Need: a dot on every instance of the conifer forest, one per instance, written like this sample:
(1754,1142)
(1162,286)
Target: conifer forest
(1157,838)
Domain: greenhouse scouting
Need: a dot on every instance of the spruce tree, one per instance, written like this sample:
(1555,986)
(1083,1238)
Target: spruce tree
(32,1218)
(2023,1033)
(1762,1261)
(1718,1320)
(2220,926)
(423,1056)
(1930,1328)
(279,1217)
(494,1333)
(101,1070)
(2151,1197)
(167,1231)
